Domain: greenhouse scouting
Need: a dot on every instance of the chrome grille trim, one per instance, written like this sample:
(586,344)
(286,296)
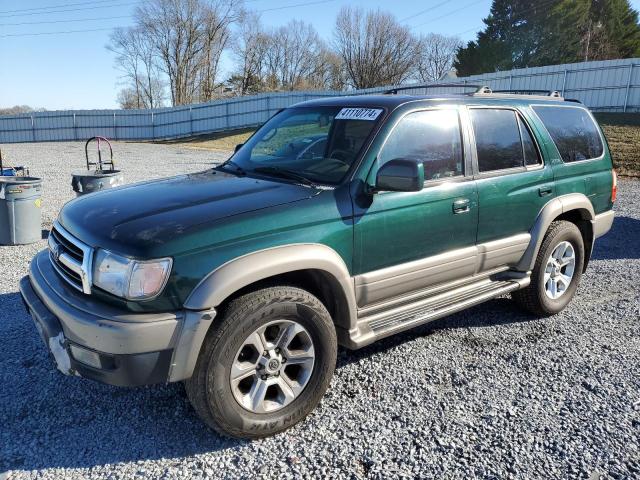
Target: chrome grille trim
(71,258)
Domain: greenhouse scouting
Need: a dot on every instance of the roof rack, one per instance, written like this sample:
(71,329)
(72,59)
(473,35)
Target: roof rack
(478,88)
(547,93)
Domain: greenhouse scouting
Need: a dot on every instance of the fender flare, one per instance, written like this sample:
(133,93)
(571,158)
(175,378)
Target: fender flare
(552,210)
(252,267)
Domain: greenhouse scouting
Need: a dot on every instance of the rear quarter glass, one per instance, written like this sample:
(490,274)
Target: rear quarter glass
(585,165)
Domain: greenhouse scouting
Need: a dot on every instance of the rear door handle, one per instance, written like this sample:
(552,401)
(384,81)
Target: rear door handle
(461,206)
(544,191)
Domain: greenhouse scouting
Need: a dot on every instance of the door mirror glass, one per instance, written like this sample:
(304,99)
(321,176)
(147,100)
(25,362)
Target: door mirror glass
(400,175)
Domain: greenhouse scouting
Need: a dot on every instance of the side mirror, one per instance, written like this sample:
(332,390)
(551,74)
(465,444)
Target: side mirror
(238,147)
(400,175)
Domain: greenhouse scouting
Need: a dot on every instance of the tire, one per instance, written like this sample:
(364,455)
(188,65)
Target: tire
(231,343)
(536,297)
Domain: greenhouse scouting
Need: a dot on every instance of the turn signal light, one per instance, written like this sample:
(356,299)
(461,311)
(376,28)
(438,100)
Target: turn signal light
(614,186)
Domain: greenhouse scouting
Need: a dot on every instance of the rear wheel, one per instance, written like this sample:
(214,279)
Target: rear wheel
(266,365)
(557,271)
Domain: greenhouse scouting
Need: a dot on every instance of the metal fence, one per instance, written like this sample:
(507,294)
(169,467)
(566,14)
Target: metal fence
(610,86)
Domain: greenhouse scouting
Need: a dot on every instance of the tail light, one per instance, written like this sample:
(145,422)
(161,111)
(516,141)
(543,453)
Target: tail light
(614,186)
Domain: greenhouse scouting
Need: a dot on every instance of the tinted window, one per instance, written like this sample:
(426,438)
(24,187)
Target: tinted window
(497,139)
(531,156)
(573,131)
(431,137)
(318,143)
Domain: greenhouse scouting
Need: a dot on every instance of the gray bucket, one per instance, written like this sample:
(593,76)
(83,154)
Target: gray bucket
(20,210)
(90,181)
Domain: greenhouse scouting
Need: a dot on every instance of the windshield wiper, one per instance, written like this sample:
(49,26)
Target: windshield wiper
(238,169)
(285,173)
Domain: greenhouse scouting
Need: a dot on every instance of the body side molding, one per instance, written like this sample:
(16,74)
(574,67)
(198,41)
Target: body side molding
(252,267)
(552,210)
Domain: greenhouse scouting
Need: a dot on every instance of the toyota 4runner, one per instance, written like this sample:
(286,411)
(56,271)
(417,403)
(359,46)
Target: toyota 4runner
(341,221)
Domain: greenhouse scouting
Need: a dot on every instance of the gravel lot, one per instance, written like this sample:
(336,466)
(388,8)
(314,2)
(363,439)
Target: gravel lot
(487,393)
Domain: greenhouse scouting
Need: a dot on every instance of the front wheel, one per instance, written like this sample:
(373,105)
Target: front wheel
(557,271)
(266,365)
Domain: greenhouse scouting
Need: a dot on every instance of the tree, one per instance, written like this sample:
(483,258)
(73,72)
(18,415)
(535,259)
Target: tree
(525,33)
(187,38)
(435,56)
(249,52)
(596,30)
(375,49)
(291,56)
(18,109)
(135,57)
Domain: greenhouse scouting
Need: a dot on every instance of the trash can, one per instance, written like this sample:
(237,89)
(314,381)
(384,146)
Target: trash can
(96,177)
(95,180)
(20,210)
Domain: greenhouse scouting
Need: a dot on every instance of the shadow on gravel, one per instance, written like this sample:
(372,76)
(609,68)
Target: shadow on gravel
(500,311)
(50,420)
(621,243)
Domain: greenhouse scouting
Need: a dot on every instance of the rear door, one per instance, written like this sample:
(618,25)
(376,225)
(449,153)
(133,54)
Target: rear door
(513,181)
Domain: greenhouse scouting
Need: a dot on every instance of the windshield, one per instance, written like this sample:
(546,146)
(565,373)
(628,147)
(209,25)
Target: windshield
(316,144)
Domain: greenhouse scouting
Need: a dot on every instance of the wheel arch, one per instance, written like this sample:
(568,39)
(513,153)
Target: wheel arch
(314,267)
(574,207)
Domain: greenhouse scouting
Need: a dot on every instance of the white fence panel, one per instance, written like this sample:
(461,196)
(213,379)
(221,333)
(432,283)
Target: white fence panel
(612,86)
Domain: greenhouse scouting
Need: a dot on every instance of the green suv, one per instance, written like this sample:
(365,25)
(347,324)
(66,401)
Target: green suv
(341,221)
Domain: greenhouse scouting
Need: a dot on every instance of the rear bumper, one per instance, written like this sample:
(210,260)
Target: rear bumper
(107,344)
(602,223)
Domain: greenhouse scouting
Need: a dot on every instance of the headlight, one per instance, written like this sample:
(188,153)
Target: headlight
(129,278)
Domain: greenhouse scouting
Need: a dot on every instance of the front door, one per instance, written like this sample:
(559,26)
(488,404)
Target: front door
(405,241)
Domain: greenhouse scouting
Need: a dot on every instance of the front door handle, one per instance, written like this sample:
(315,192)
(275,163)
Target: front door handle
(461,206)
(544,191)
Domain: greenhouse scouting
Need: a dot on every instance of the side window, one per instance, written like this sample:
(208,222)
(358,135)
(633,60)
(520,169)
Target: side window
(432,137)
(573,131)
(497,139)
(531,156)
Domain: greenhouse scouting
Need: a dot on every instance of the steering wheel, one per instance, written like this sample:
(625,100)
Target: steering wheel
(340,155)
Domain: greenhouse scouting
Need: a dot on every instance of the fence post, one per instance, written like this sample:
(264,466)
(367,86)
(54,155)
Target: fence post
(115,128)
(33,129)
(190,120)
(226,114)
(626,95)
(268,106)
(153,127)
(510,81)
(564,81)
(75,128)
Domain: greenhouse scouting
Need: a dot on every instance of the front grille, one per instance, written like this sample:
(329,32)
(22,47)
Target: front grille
(71,258)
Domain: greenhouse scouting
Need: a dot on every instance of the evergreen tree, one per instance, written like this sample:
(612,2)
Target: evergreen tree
(521,34)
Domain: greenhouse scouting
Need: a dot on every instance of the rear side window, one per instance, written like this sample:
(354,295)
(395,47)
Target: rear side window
(497,139)
(573,131)
(432,137)
(531,156)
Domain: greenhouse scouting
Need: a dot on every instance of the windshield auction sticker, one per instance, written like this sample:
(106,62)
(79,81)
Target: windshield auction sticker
(359,114)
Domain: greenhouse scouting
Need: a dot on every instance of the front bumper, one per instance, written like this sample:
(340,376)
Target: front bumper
(107,344)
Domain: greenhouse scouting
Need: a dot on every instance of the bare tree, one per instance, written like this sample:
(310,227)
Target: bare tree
(136,58)
(435,56)
(218,17)
(188,37)
(249,52)
(292,56)
(329,73)
(375,49)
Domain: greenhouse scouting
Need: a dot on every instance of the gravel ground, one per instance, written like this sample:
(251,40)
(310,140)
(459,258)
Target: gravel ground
(487,393)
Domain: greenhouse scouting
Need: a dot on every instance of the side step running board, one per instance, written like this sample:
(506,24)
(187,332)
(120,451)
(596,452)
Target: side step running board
(431,308)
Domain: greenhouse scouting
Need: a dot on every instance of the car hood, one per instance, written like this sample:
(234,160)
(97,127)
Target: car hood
(137,219)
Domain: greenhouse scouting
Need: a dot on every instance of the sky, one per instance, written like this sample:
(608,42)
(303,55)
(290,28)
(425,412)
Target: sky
(43,67)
